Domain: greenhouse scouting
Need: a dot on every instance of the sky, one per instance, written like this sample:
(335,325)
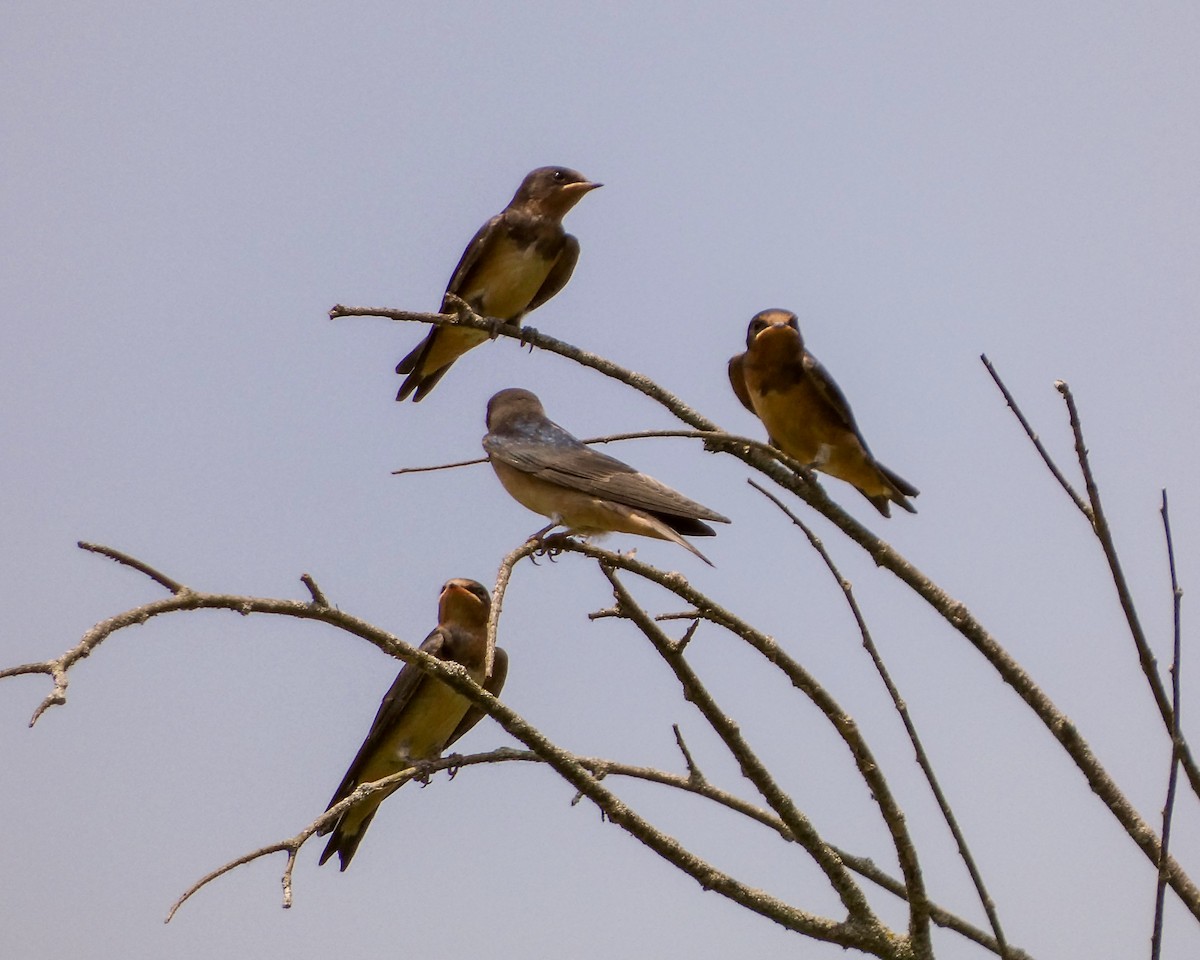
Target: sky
(186,190)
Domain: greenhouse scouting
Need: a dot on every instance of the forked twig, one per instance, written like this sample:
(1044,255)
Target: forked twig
(1094,512)
(1037,443)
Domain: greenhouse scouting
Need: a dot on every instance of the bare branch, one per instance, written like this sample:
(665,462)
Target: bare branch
(124,558)
(694,774)
(713,440)
(588,782)
(533,338)
(293,844)
(752,767)
(868,767)
(601,767)
(901,706)
(314,590)
(55,669)
(1145,655)
(1099,781)
(440,466)
(956,613)
(503,575)
(1176,739)
(606,613)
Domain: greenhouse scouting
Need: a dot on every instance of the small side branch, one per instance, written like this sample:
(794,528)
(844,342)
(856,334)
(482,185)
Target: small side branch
(313,590)
(1176,740)
(291,846)
(125,559)
(694,774)
(503,576)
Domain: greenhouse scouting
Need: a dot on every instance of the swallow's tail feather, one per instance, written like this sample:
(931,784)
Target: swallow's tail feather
(899,493)
(344,842)
(670,527)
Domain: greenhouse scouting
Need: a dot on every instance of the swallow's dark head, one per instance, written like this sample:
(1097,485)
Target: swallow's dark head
(464,602)
(513,404)
(552,190)
(773,325)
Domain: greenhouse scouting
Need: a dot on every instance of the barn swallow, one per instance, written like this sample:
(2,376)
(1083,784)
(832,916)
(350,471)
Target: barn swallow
(420,716)
(806,415)
(516,262)
(549,471)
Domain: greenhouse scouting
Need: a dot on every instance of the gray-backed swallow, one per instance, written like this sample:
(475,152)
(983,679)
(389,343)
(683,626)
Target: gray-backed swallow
(420,716)
(516,262)
(806,415)
(549,471)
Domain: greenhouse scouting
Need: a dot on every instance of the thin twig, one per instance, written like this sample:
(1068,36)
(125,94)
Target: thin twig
(123,558)
(293,844)
(314,591)
(1146,656)
(901,706)
(1176,740)
(439,466)
(503,576)
(607,613)
(714,440)
(681,615)
(1135,826)
(1037,443)
(694,774)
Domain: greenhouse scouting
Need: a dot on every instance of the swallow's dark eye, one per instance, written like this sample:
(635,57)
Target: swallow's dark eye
(559,176)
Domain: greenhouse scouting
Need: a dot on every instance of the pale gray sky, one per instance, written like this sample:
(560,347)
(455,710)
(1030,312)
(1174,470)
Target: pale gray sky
(186,191)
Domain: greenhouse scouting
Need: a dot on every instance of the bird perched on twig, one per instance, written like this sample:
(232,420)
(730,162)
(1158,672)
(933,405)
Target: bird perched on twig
(517,261)
(806,415)
(420,716)
(546,469)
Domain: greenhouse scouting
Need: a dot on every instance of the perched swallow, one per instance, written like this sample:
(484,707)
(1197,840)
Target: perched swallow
(420,716)
(806,415)
(516,262)
(547,470)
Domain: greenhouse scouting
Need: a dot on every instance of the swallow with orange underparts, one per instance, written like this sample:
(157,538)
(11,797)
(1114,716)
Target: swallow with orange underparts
(420,716)
(804,411)
(517,261)
(548,470)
